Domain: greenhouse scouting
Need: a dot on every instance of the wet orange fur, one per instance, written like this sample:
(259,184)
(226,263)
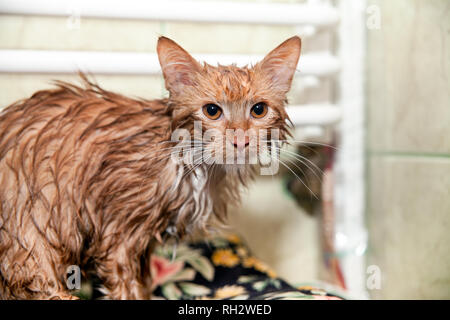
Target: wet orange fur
(87,178)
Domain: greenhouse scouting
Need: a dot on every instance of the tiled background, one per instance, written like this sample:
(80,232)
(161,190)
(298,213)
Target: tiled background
(408,149)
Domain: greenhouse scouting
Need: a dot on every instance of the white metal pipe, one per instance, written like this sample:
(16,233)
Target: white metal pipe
(42,61)
(321,15)
(351,234)
(305,115)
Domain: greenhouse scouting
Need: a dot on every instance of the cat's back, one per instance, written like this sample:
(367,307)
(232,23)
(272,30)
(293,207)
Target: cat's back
(47,136)
(77,112)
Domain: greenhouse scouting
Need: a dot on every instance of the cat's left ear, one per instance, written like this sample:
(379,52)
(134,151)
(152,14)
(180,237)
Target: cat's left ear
(281,62)
(177,65)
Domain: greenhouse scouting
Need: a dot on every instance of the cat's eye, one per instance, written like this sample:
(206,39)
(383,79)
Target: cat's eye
(212,111)
(259,110)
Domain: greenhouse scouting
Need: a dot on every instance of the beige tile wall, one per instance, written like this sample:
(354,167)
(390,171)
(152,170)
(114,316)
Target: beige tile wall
(408,99)
(409,225)
(409,70)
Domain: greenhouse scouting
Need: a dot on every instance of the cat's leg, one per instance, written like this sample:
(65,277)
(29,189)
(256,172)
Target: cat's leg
(125,272)
(30,268)
(29,275)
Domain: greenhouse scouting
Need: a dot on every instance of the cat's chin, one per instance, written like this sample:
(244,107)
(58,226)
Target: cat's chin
(236,168)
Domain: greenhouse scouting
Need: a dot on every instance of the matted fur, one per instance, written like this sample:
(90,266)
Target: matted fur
(87,179)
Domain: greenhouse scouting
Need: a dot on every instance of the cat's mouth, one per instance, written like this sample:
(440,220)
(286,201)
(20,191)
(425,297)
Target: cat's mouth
(234,149)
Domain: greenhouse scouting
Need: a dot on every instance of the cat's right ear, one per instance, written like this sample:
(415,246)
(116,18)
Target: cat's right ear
(177,65)
(281,62)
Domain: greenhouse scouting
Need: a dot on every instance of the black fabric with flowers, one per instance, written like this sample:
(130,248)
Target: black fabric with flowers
(221,268)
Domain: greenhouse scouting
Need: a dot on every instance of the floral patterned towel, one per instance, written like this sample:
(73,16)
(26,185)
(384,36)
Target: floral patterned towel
(220,268)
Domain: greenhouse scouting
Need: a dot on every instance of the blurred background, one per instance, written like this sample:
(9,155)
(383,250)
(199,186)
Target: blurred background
(370,103)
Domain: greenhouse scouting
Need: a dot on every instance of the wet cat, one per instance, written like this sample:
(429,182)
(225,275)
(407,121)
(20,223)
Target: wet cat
(88,176)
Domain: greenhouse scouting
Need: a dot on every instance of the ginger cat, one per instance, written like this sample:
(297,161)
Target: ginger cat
(88,179)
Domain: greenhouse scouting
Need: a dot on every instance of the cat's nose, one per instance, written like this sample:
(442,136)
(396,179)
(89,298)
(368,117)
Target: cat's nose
(241,143)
